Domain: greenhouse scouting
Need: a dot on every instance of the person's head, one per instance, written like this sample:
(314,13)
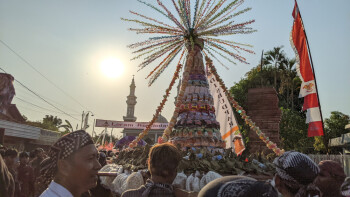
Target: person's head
(32,155)
(39,153)
(72,162)
(259,188)
(10,157)
(163,160)
(330,178)
(2,152)
(102,159)
(7,187)
(24,157)
(295,174)
(238,186)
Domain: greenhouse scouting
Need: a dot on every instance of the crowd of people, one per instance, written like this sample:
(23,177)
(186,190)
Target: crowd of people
(19,171)
(70,169)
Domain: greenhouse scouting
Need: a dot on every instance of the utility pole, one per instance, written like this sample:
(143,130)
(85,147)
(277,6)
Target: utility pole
(93,129)
(261,67)
(82,120)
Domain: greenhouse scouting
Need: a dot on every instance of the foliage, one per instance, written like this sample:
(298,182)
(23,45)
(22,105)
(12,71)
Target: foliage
(293,131)
(67,127)
(334,127)
(98,138)
(278,71)
(287,87)
(52,123)
(49,122)
(319,145)
(275,58)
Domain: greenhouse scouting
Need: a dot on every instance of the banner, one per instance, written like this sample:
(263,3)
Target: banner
(308,88)
(129,125)
(224,115)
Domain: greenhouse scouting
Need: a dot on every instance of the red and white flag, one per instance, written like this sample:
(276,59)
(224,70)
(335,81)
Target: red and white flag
(308,87)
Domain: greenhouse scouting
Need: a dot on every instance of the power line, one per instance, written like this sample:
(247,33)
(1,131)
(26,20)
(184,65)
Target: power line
(22,106)
(42,97)
(33,96)
(40,106)
(29,64)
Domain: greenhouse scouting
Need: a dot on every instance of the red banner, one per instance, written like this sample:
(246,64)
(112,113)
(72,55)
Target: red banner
(308,87)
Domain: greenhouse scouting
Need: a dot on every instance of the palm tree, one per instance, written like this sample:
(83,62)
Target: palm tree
(275,57)
(68,127)
(287,79)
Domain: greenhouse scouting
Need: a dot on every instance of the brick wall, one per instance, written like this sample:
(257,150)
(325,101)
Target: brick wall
(262,107)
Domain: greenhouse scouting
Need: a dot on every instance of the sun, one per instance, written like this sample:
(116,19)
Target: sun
(112,67)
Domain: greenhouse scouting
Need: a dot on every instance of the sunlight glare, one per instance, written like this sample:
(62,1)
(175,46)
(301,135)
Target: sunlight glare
(112,67)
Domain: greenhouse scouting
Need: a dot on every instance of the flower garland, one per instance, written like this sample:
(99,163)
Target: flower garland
(186,76)
(160,107)
(272,146)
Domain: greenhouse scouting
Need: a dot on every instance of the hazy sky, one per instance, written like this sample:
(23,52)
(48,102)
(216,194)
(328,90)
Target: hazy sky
(67,40)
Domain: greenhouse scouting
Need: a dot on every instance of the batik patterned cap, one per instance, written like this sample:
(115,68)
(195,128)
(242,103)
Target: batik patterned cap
(297,169)
(63,148)
(233,188)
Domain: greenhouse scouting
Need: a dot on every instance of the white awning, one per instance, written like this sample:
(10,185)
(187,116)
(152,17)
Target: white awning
(347,126)
(20,130)
(344,140)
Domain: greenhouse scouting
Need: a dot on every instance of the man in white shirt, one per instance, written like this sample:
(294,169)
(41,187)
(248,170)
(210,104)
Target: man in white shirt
(71,168)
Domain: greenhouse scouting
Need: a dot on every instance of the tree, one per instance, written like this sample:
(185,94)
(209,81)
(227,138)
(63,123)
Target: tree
(67,127)
(280,71)
(275,58)
(293,131)
(288,79)
(52,122)
(334,127)
(49,122)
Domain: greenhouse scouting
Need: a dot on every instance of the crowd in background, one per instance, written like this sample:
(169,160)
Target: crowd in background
(23,169)
(70,168)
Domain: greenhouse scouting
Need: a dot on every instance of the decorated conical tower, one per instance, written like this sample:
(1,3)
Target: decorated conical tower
(200,29)
(196,124)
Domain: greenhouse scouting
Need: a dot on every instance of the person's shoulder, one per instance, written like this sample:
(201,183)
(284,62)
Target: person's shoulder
(133,192)
(48,193)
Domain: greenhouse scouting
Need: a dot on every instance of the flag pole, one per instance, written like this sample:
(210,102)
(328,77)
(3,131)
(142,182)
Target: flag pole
(261,61)
(261,67)
(312,65)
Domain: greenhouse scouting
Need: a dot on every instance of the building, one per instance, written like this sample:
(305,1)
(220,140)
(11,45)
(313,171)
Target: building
(14,132)
(343,141)
(26,137)
(130,117)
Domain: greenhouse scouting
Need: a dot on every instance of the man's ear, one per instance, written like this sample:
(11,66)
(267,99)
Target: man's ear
(64,167)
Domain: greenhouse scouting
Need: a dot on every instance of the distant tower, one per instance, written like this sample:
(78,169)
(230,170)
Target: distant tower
(131,101)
